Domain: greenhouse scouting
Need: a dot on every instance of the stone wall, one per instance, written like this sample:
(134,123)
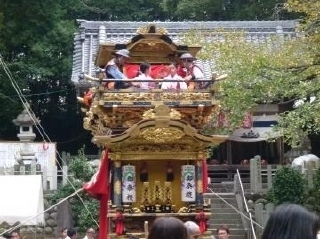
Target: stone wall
(49,230)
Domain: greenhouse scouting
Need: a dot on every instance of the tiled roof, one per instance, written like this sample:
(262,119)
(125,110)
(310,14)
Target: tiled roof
(91,33)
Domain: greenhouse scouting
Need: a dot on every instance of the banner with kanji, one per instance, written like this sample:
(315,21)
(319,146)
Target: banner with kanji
(128,184)
(188,185)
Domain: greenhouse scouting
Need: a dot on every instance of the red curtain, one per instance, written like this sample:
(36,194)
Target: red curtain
(98,188)
(157,71)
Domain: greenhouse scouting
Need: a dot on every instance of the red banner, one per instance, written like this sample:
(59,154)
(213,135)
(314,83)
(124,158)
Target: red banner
(98,188)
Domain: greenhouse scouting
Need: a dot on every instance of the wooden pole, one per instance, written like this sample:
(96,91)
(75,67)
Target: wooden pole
(146,229)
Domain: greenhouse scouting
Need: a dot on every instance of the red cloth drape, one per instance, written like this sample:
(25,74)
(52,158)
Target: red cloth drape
(98,188)
(202,221)
(204,176)
(119,221)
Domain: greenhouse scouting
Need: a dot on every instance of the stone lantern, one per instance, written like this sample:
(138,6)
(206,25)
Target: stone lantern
(26,123)
(26,135)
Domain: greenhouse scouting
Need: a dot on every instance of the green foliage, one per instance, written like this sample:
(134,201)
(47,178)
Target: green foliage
(81,168)
(83,207)
(270,72)
(289,185)
(85,219)
(316,181)
(206,10)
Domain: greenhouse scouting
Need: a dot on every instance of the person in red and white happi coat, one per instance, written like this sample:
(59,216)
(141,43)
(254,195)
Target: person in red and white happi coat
(189,70)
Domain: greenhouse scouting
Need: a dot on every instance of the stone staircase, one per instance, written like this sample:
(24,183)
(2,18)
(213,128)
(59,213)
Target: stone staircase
(222,203)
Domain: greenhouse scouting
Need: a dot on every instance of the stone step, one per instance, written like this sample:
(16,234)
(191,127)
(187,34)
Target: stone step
(233,226)
(219,195)
(223,206)
(225,187)
(215,210)
(235,223)
(219,221)
(226,215)
(224,211)
(225,201)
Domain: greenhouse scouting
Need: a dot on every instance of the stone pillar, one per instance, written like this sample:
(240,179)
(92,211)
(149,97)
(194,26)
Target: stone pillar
(255,174)
(117,184)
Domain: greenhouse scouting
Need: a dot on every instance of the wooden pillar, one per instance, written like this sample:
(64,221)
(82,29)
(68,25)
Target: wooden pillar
(199,186)
(280,146)
(117,184)
(229,152)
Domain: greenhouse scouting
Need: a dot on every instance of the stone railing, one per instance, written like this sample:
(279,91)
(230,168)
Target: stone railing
(261,176)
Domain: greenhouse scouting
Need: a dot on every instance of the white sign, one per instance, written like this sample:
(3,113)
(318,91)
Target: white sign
(128,184)
(188,185)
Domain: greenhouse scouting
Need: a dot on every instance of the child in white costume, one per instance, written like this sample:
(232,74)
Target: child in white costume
(144,75)
(179,83)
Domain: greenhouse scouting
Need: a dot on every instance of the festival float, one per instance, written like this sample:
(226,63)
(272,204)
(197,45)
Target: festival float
(154,162)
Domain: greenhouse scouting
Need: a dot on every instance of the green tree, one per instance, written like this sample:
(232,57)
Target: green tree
(140,10)
(273,71)
(208,10)
(305,118)
(83,207)
(288,185)
(37,46)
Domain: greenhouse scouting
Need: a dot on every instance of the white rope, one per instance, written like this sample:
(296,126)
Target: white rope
(29,219)
(246,205)
(39,127)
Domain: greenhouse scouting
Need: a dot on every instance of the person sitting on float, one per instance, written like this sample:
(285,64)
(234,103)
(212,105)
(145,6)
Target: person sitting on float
(114,70)
(190,71)
(144,74)
(175,82)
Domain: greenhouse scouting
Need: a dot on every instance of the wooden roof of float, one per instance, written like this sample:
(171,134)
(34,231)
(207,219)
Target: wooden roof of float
(95,34)
(151,44)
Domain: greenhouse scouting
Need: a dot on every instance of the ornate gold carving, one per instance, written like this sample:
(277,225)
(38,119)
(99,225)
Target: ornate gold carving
(130,96)
(157,193)
(159,148)
(95,124)
(148,96)
(150,47)
(186,96)
(162,135)
(145,30)
(161,111)
(146,195)
(167,193)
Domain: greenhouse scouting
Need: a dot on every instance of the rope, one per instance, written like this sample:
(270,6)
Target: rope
(215,194)
(39,127)
(27,220)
